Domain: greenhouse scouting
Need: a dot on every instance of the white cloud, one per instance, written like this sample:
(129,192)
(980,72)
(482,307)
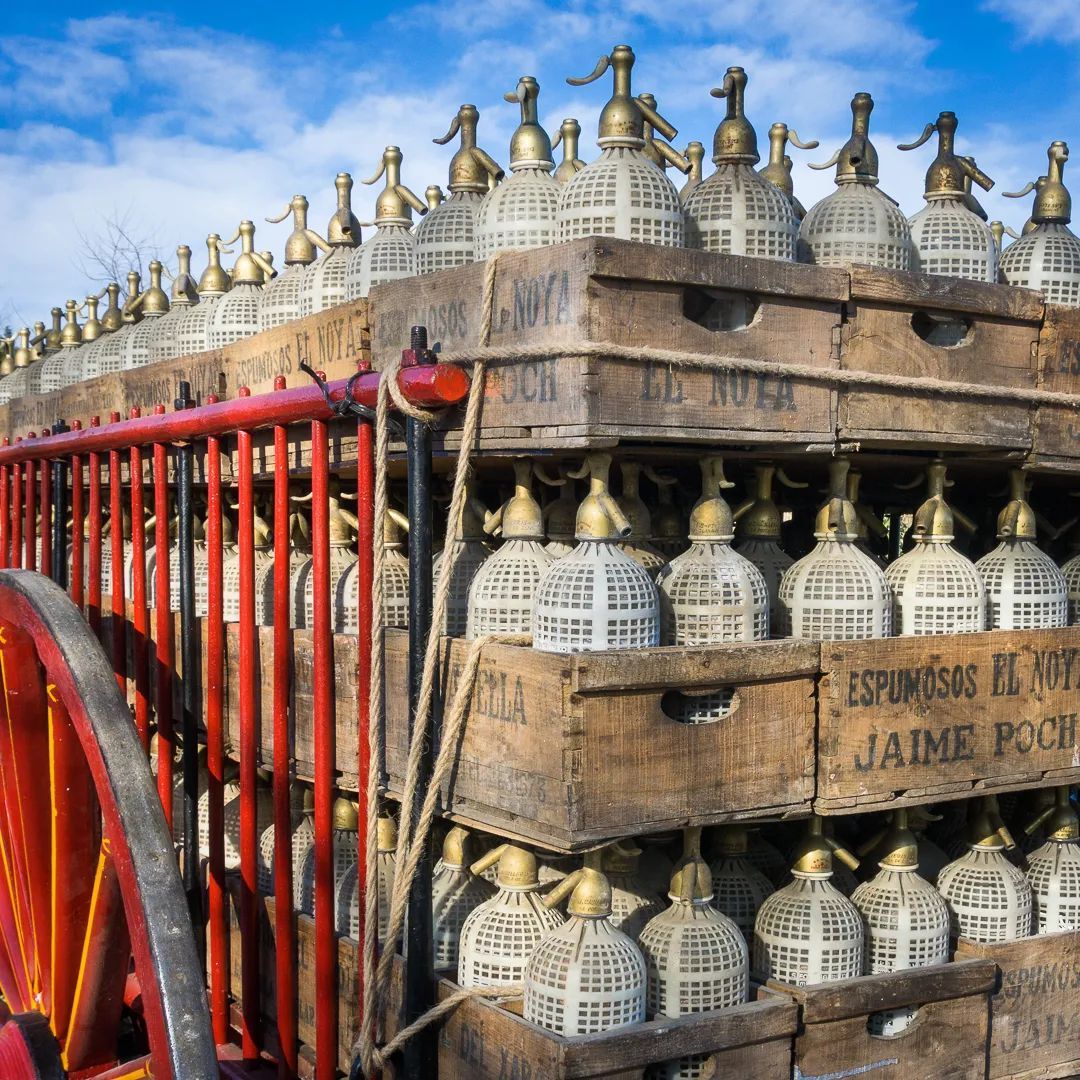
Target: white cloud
(1039,20)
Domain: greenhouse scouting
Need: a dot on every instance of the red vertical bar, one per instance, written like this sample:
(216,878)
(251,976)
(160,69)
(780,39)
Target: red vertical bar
(365,512)
(16,513)
(75,585)
(116,549)
(215,750)
(249,747)
(140,615)
(163,629)
(93,571)
(30,513)
(46,517)
(5,507)
(326,985)
(284,928)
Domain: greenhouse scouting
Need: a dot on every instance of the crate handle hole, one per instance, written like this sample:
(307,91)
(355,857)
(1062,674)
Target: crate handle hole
(893,1023)
(943,330)
(720,310)
(700,707)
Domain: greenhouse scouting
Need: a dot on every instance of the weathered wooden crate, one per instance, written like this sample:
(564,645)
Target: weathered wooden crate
(946,1038)
(892,321)
(919,719)
(1057,434)
(628,294)
(569,750)
(1035,1013)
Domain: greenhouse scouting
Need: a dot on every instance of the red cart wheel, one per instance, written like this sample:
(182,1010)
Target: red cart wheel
(89,885)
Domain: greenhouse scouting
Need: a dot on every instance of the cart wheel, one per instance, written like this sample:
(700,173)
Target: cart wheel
(89,887)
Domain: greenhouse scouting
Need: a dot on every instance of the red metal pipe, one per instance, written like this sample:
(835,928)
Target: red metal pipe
(366,534)
(215,750)
(429,386)
(30,514)
(5,520)
(94,519)
(116,550)
(163,629)
(46,516)
(140,617)
(76,584)
(16,514)
(249,749)
(284,927)
(326,982)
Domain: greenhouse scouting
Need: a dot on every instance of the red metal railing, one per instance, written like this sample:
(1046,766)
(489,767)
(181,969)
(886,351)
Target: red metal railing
(149,441)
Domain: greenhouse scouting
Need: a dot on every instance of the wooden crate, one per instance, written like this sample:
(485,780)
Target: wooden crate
(1058,431)
(880,335)
(947,1038)
(1035,1013)
(628,294)
(918,719)
(569,750)
(332,341)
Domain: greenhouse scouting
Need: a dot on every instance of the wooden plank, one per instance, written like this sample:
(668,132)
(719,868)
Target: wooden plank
(919,712)
(945,293)
(873,993)
(1058,428)
(946,1038)
(1035,1013)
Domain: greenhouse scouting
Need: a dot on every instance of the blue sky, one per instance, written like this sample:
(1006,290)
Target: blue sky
(181,120)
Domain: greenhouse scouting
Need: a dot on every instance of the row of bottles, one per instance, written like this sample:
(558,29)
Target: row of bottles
(625,193)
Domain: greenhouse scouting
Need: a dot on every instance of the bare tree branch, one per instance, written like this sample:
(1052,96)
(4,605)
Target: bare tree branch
(118,245)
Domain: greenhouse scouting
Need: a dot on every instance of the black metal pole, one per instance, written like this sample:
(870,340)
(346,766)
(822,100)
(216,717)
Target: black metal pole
(421,1052)
(59,569)
(189,656)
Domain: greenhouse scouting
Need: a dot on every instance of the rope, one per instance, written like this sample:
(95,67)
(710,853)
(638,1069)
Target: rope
(410,847)
(828,376)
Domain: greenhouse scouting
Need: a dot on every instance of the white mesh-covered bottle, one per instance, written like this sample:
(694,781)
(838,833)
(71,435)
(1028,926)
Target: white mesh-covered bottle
(302,819)
(107,356)
(323,283)
(1025,589)
(503,587)
(13,384)
(472,550)
(346,903)
(907,920)
(622,193)
(638,545)
(989,898)
(391,253)
(264,815)
(447,236)
(948,238)
(935,589)
(395,572)
(48,372)
(344,844)
(1047,257)
(65,367)
(263,560)
(837,592)
(111,320)
(342,526)
(189,334)
(696,958)
(236,315)
(778,169)
(757,528)
(736,210)
(1070,570)
(739,887)
(809,932)
(596,597)
(712,594)
(520,212)
(584,976)
(695,154)
(569,134)
(185,293)
(499,936)
(633,902)
(455,892)
(152,305)
(857,223)
(1054,868)
(279,301)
